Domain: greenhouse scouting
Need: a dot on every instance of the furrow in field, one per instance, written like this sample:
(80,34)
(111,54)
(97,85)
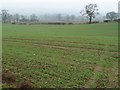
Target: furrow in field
(68,42)
(82,47)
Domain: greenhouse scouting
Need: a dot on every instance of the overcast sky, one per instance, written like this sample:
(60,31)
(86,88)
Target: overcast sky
(56,6)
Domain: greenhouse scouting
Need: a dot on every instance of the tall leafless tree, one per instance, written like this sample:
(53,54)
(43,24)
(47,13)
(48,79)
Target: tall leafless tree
(4,15)
(72,17)
(17,17)
(91,11)
(67,18)
(59,16)
(33,18)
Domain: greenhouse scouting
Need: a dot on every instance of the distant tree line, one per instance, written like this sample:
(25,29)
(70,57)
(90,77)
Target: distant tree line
(17,18)
(90,11)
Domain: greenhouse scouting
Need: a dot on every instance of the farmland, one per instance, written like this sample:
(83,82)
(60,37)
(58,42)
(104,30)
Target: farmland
(60,55)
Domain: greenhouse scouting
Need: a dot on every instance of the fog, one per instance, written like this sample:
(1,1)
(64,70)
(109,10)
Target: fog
(56,6)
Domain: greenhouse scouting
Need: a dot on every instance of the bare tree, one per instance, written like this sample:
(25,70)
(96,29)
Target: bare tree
(33,18)
(17,17)
(23,18)
(59,16)
(91,11)
(10,18)
(112,15)
(67,18)
(4,15)
(72,17)
(0,18)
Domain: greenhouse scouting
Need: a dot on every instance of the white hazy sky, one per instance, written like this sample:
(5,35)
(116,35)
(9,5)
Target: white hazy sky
(56,6)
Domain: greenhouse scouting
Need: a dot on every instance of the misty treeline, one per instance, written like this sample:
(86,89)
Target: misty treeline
(89,14)
(7,17)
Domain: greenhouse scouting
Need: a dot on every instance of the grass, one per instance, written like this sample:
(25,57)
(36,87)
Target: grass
(60,55)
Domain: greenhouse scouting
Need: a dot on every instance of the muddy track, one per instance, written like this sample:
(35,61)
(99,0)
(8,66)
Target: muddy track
(92,80)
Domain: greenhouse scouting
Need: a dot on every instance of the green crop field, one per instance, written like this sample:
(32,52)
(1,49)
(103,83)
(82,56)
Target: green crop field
(54,56)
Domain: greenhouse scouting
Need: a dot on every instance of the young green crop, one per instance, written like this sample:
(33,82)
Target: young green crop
(61,55)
